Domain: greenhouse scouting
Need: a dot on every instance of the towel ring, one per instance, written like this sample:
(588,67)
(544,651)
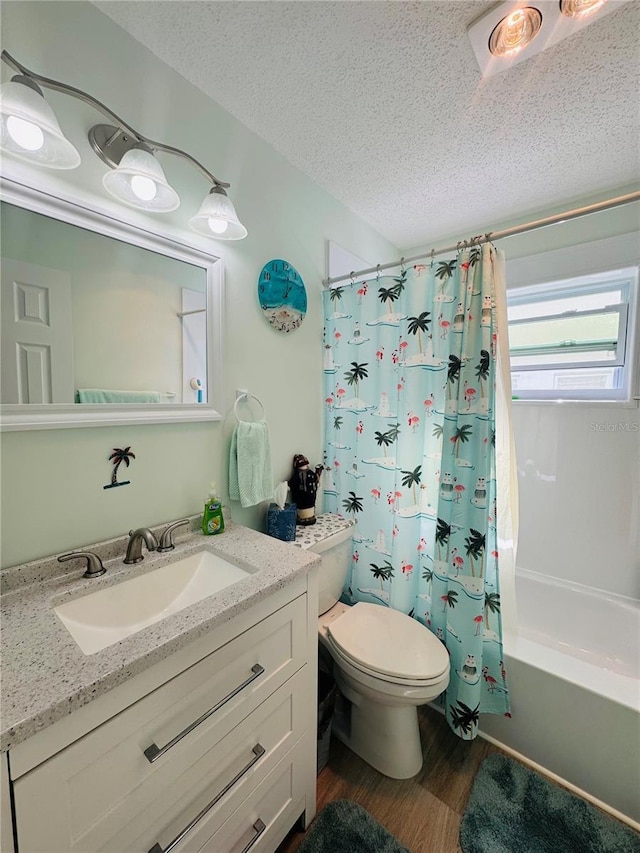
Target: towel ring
(246,397)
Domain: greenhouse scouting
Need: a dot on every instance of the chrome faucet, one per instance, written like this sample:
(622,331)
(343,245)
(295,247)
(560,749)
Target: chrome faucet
(134,548)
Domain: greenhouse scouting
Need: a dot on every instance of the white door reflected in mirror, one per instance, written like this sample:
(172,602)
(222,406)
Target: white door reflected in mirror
(37,340)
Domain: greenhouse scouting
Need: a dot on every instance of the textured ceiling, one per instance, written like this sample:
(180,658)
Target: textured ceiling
(383,105)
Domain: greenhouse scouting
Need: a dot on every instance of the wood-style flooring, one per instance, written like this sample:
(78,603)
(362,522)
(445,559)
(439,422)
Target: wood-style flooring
(423,813)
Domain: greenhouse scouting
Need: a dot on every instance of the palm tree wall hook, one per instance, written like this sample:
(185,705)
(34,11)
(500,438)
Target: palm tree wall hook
(119,455)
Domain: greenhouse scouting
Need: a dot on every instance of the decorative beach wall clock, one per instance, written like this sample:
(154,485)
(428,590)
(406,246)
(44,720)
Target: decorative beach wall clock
(282,295)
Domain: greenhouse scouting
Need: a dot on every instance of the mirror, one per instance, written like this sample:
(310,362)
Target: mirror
(102,322)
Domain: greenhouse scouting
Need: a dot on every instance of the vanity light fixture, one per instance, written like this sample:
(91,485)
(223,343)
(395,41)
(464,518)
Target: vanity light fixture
(516,30)
(30,132)
(218,215)
(136,177)
(29,129)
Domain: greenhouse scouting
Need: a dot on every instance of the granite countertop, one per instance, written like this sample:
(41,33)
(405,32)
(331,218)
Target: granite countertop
(46,676)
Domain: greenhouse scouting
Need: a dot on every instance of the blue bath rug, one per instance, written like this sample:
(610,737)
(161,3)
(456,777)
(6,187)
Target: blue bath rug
(345,827)
(514,810)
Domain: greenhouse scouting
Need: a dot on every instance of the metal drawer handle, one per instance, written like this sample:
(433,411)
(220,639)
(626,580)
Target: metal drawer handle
(154,752)
(258,752)
(259,827)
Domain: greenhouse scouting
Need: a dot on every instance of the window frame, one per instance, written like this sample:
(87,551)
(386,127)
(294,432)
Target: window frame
(626,358)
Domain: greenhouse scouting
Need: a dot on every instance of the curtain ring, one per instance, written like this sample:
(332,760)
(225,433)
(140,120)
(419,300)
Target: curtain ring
(377,273)
(433,254)
(353,277)
(458,244)
(402,266)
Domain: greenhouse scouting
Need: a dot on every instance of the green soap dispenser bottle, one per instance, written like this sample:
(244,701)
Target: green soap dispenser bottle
(212,519)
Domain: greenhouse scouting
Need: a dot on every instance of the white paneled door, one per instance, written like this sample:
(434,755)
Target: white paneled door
(37,343)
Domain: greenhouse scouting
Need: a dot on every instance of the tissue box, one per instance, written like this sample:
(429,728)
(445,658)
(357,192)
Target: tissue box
(281,523)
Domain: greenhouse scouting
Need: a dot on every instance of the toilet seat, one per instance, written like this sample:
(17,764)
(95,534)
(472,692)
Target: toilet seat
(399,681)
(388,645)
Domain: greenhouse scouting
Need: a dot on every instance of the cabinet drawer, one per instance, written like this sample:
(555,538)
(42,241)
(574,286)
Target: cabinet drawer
(263,819)
(78,799)
(210,791)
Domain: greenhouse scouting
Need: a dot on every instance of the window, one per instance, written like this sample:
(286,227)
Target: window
(572,339)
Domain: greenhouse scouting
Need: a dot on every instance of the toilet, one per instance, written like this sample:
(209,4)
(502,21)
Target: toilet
(384,662)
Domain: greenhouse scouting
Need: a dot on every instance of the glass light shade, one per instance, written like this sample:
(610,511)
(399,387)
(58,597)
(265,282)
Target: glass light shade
(139,181)
(580,8)
(216,212)
(515,31)
(29,130)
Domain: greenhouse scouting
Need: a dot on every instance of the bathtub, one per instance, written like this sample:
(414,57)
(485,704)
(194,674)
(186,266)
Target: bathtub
(574,677)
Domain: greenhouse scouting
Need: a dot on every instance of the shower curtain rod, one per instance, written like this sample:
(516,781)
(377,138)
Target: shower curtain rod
(497,235)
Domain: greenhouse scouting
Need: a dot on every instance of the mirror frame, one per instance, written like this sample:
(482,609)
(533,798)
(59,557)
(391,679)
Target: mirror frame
(27,416)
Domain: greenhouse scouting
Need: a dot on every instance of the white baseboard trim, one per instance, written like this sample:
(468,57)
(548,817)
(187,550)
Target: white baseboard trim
(574,789)
(563,782)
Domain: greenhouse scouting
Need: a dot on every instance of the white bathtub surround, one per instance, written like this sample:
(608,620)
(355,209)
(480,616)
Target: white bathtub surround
(571,656)
(579,482)
(573,670)
(599,628)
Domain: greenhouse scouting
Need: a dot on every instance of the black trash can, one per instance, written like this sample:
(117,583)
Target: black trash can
(326,704)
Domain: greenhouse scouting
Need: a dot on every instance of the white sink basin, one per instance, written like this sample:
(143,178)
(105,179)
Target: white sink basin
(102,618)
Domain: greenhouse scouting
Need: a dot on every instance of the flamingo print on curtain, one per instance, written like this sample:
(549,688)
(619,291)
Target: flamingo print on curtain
(409,367)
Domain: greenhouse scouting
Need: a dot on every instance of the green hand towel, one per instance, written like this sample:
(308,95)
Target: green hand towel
(100,395)
(250,473)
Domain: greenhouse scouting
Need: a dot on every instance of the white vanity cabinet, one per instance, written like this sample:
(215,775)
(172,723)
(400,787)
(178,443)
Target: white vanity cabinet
(213,749)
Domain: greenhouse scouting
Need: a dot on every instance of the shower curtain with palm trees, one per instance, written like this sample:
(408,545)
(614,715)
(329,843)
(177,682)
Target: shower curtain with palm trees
(409,367)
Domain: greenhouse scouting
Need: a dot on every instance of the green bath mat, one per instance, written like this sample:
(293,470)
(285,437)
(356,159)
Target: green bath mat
(345,827)
(514,810)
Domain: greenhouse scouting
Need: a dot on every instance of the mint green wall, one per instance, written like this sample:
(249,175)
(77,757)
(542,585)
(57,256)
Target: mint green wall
(52,498)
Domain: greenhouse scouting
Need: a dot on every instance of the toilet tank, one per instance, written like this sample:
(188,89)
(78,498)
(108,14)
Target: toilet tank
(331,538)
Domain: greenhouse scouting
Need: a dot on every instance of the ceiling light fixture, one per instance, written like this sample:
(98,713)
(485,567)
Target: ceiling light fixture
(580,8)
(30,132)
(516,30)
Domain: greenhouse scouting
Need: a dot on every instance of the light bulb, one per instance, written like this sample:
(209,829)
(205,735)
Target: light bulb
(218,226)
(144,188)
(515,31)
(580,8)
(25,133)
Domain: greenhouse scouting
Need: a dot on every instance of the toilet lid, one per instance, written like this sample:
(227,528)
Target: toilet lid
(389,642)
(419,683)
